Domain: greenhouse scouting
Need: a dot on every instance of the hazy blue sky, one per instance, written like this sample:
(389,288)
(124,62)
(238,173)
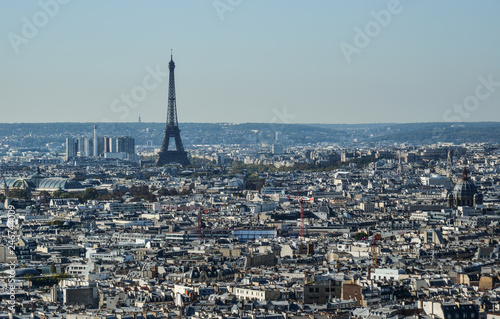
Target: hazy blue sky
(321,61)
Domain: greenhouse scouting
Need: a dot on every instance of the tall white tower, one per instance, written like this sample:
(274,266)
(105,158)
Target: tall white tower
(95,141)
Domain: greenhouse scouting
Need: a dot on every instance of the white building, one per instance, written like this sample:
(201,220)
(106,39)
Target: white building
(387,274)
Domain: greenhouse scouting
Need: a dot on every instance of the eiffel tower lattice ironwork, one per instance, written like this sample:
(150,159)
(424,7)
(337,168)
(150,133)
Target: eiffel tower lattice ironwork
(172,131)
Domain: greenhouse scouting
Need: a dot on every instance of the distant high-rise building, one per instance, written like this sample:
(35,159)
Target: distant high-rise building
(308,154)
(343,157)
(81,146)
(101,147)
(277,148)
(108,145)
(71,148)
(88,147)
(96,151)
(221,159)
(125,144)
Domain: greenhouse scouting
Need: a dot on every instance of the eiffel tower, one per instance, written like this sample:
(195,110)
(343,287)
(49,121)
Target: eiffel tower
(179,155)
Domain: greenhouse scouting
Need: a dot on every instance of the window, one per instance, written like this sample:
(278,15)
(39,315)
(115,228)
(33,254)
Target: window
(311,289)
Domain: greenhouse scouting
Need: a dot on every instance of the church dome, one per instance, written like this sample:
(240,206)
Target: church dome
(465,193)
(464,188)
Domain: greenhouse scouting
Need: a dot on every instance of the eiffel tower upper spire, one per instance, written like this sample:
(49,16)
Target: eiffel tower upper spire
(172,107)
(172,130)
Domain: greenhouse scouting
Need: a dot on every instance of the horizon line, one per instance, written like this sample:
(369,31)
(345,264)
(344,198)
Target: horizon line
(240,123)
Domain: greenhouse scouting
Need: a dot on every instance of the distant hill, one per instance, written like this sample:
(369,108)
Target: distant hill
(39,134)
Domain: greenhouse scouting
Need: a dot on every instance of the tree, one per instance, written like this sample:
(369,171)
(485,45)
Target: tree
(55,223)
(251,186)
(89,194)
(237,167)
(61,194)
(18,193)
(57,194)
(44,193)
(262,182)
(360,235)
(68,195)
(53,268)
(163,192)
(142,192)
(254,177)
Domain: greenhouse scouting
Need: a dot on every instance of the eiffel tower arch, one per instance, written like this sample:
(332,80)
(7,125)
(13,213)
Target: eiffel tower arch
(172,153)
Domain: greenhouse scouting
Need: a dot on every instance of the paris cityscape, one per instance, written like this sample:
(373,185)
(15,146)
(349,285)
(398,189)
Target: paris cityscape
(210,180)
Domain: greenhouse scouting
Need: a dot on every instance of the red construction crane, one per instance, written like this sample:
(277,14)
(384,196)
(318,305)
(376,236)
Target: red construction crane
(301,201)
(376,238)
(200,220)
